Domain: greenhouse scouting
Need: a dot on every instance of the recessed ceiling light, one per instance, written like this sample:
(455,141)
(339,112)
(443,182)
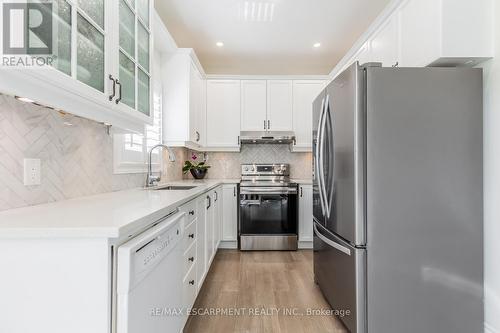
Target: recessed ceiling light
(219,44)
(316,45)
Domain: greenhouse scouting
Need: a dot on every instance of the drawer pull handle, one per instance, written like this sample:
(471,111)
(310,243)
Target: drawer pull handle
(191,235)
(191,212)
(191,282)
(191,259)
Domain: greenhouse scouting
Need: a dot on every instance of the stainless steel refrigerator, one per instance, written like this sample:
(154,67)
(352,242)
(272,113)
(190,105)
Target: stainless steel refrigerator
(398,198)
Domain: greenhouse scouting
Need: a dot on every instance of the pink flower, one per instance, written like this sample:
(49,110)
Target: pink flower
(194,157)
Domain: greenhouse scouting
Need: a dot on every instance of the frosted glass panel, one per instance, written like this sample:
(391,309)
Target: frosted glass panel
(143,46)
(143,10)
(90,55)
(127,79)
(127,29)
(94,9)
(143,93)
(62,44)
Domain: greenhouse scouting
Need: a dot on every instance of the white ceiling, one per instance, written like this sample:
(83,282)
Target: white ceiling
(277,39)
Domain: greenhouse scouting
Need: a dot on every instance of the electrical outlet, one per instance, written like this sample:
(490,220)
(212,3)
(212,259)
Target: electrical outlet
(32,171)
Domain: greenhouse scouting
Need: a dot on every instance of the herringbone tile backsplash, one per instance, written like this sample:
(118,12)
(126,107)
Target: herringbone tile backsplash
(76,160)
(227,165)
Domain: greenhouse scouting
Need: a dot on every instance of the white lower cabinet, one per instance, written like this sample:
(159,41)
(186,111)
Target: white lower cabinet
(230,213)
(122,281)
(305,215)
(209,223)
(202,237)
(218,207)
(223,115)
(201,268)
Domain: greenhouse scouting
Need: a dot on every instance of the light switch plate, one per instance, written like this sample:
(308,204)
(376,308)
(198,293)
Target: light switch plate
(32,171)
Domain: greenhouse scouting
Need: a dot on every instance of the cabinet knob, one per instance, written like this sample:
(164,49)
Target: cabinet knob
(191,235)
(191,212)
(191,259)
(191,282)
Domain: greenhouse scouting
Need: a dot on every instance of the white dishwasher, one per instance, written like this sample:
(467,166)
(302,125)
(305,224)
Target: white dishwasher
(149,279)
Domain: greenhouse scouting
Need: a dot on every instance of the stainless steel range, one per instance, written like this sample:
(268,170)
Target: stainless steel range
(268,208)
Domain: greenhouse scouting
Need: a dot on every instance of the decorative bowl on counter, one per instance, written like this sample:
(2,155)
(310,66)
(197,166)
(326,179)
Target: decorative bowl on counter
(198,173)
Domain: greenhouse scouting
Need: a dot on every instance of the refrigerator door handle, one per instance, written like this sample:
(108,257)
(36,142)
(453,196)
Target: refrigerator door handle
(318,159)
(330,192)
(321,172)
(333,244)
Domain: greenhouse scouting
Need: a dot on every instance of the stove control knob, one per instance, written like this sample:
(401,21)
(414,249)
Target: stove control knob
(252,169)
(246,169)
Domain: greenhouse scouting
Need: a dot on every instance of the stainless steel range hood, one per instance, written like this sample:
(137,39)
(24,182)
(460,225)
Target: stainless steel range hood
(258,137)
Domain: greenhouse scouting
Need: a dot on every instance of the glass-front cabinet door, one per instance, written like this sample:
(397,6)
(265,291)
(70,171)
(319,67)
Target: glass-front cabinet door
(81,40)
(134,55)
(100,64)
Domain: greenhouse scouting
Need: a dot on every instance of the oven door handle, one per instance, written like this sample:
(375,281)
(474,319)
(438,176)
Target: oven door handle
(268,190)
(251,203)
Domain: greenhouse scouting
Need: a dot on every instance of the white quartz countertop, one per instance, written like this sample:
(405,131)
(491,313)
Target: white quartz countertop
(109,215)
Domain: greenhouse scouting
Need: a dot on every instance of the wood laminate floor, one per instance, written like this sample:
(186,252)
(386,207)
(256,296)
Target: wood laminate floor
(262,286)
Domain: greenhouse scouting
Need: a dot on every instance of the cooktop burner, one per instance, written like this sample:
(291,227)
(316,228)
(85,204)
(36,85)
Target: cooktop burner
(265,174)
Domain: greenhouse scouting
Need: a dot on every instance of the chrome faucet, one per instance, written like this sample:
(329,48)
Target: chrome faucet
(151,179)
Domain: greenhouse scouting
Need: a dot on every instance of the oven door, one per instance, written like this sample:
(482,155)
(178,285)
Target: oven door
(268,218)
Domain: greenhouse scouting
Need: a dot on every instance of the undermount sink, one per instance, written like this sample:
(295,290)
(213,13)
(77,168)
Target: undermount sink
(175,188)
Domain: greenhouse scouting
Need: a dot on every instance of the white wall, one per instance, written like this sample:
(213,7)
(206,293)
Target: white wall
(492,183)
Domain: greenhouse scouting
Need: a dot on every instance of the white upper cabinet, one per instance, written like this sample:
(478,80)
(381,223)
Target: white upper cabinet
(197,106)
(385,43)
(446,32)
(304,93)
(184,93)
(420,37)
(253,105)
(364,54)
(266,105)
(223,114)
(279,105)
(419,33)
(101,68)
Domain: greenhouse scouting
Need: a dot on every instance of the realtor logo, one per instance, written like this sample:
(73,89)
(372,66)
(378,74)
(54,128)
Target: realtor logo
(27,28)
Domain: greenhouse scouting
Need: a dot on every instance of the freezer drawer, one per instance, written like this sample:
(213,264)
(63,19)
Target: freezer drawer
(339,270)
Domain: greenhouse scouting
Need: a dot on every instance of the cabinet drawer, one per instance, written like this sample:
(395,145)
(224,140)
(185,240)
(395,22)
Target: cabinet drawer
(189,288)
(189,258)
(190,235)
(190,210)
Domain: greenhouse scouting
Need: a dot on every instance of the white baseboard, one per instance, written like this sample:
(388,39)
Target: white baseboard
(489,329)
(228,245)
